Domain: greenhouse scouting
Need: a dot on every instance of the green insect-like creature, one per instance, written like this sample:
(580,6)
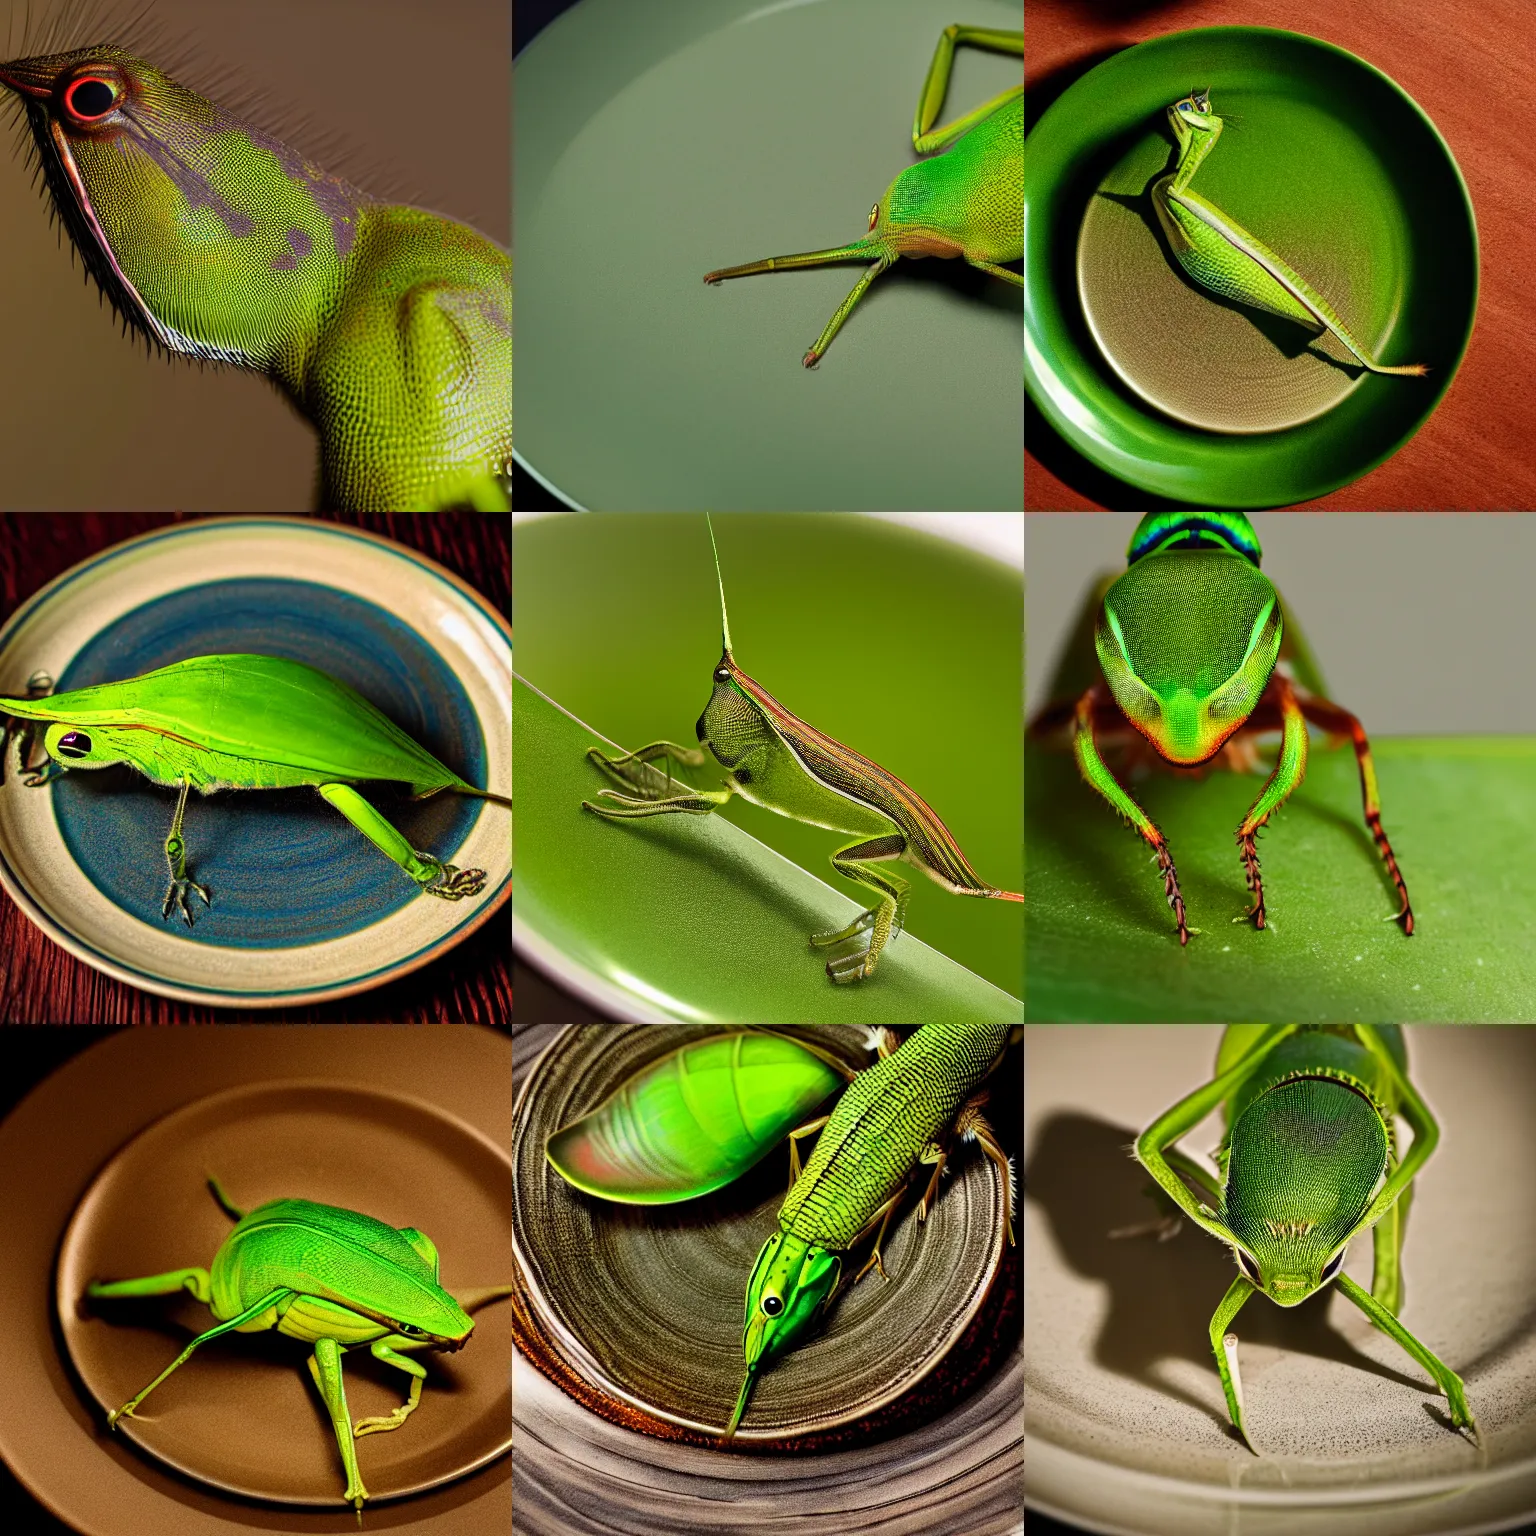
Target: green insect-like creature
(700,1116)
(697,1119)
(1307,1164)
(1196,653)
(778,761)
(248,722)
(388,327)
(1220,255)
(333,1278)
(967,202)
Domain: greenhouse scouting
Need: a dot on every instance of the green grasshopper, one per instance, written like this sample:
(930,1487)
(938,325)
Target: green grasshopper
(388,327)
(966,202)
(333,1278)
(248,722)
(778,761)
(1220,255)
(898,1116)
(1308,1162)
(1194,649)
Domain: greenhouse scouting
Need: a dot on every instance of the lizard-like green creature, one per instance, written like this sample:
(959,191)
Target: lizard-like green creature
(388,327)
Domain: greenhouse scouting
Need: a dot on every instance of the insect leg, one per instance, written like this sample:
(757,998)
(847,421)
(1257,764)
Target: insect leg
(1016,278)
(634,772)
(937,83)
(700,803)
(194,1280)
(972,1123)
(1341,723)
(176,859)
(432,875)
(883,1216)
(1224,1345)
(1387,1263)
(325,1367)
(853,862)
(1445,1378)
(1289,771)
(818,348)
(267,1303)
(808,1129)
(1096,771)
(388,1350)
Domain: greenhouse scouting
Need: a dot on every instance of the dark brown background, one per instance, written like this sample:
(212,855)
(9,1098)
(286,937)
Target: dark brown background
(1472,67)
(42,984)
(410,99)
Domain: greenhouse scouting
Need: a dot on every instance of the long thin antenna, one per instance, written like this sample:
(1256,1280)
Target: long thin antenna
(725,623)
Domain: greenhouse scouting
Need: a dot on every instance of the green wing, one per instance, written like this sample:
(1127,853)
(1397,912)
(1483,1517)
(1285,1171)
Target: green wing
(263,708)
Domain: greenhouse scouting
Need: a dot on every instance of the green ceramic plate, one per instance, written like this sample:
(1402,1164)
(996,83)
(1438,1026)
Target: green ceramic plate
(900,644)
(1332,165)
(658,139)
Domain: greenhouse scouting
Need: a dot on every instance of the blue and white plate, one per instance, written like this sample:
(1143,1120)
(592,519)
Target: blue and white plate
(304,907)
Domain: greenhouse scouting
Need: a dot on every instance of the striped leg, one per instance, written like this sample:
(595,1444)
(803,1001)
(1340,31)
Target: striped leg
(1096,772)
(1289,771)
(1330,717)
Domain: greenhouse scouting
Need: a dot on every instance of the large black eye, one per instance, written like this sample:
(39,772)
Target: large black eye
(410,1330)
(772,1305)
(90,97)
(722,674)
(74,744)
(1248,1267)
(1331,1268)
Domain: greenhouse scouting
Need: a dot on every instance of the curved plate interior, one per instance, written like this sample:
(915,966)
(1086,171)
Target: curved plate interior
(303,906)
(710,133)
(644,1304)
(1328,162)
(242,1414)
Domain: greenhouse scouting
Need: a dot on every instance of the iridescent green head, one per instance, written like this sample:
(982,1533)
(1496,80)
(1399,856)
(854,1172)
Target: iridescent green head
(788,1289)
(1188,637)
(1304,1159)
(206,233)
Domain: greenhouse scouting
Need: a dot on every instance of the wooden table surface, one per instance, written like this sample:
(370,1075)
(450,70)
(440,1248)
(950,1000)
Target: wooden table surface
(42,984)
(1472,67)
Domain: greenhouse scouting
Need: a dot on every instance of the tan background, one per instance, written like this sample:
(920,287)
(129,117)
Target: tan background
(1472,67)
(421,88)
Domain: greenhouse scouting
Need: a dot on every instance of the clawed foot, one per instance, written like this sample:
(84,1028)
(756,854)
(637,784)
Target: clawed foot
(863,921)
(453,884)
(381,1423)
(176,893)
(850,968)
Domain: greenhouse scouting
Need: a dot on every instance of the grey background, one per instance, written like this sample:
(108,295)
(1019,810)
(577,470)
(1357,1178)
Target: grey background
(1420,622)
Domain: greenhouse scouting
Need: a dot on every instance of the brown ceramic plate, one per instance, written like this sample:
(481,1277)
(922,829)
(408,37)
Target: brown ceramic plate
(242,1414)
(104,1165)
(637,1310)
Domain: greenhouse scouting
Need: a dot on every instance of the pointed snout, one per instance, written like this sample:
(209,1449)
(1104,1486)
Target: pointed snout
(1289,1290)
(27,77)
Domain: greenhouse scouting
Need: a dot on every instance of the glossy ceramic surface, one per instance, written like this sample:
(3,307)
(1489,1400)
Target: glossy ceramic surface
(1331,164)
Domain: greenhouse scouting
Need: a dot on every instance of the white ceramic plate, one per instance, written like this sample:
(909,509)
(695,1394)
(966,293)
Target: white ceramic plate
(304,908)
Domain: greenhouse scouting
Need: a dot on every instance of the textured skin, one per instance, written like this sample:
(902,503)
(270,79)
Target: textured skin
(388,327)
(207,717)
(376,1273)
(892,1111)
(693,1121)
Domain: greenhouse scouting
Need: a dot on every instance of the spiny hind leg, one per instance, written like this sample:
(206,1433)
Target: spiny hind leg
(176,860)
(925,137)
(884,920)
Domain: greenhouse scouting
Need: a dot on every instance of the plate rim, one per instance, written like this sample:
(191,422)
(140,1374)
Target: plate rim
(149,981)
(1157,481)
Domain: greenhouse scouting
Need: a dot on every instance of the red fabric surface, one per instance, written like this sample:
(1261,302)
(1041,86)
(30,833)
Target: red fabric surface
(1472,67)
(42,984)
